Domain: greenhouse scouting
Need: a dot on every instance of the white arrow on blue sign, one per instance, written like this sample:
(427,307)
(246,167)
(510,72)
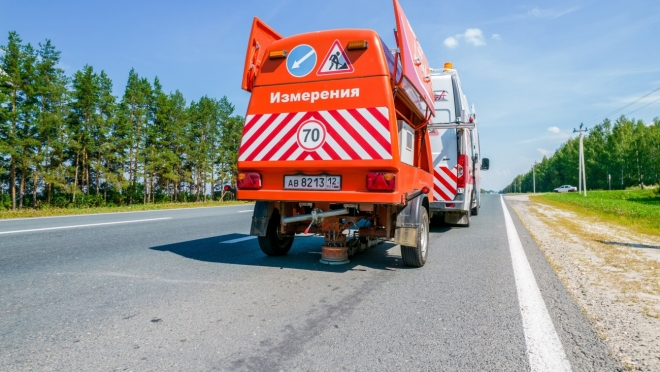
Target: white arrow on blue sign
(301,61)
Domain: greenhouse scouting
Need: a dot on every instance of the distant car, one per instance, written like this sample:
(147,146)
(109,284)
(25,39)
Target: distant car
(566,188)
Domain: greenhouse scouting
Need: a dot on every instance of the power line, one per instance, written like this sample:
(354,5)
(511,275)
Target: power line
(625,107)
(650,103)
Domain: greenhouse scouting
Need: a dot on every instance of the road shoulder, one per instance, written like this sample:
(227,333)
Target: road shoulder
(610,272)
(584,349)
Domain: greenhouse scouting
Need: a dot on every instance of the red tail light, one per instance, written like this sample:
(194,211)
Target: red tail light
(377,181)
(248,181)
(461,171)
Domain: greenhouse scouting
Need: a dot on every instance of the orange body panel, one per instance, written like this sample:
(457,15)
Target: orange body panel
(357,115)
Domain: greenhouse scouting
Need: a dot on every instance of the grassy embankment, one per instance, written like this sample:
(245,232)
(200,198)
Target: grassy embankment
(48,212)
(638,210)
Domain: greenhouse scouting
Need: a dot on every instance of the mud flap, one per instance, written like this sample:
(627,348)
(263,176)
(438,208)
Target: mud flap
(456,218)
(407,222)
(260,218)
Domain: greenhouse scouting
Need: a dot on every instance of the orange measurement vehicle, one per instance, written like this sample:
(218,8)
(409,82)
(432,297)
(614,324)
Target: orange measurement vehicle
(335,141)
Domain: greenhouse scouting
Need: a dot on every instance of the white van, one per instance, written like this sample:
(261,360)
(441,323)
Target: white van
(457,161)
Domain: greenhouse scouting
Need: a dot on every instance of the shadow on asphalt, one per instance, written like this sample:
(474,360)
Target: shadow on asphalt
(304,255)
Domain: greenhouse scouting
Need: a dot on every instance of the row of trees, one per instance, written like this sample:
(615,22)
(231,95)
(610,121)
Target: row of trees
(625,153)
(68,140)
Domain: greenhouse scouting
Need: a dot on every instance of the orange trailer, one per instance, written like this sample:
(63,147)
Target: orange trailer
(335,141)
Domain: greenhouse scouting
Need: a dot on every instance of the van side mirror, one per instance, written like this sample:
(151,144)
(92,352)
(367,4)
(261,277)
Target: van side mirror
(485,164)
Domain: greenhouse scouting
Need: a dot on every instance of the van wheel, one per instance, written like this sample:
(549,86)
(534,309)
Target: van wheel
(416,256)
(274,244)
(475,211)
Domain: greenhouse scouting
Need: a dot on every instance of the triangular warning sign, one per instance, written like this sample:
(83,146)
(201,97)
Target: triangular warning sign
(335,62)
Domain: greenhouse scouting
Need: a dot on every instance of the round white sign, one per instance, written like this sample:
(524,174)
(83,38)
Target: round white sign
(311,135)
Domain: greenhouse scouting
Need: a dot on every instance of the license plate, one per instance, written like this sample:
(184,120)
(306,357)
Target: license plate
(323,182)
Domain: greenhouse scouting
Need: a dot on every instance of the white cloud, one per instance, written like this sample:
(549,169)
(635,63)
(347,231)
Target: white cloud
(451,42)
(474,36)
(543,152)
(496,37)
(554,130)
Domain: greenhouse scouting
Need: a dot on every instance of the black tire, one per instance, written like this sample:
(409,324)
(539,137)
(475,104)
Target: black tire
(475,211)
(416,256)
(274,244)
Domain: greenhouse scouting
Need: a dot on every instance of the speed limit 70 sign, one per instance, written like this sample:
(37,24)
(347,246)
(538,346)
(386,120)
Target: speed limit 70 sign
(311,135)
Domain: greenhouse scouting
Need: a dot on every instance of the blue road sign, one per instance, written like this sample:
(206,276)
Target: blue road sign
(301,61)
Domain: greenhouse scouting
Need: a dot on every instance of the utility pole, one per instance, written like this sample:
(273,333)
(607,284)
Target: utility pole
(582,175)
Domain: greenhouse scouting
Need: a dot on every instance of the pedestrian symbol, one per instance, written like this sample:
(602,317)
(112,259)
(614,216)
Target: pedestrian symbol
(335,62)
(301,61)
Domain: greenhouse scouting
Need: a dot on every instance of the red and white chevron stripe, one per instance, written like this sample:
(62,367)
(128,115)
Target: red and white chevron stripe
(444,183)
(353,134)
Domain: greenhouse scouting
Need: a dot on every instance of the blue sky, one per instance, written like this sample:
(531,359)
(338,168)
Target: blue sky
(533,69)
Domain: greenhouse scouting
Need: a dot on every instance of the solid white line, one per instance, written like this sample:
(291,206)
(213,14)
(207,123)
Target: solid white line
(88,225)
(239,240)
(108,213)
(543,345)
(245,211)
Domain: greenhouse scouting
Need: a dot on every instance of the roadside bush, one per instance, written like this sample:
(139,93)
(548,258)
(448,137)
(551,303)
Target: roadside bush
(5,201)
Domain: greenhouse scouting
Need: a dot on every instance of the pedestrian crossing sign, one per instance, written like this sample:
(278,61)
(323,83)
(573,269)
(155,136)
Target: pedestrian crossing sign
(335,62)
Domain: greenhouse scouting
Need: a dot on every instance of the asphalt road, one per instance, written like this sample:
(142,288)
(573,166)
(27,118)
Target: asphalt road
(160,291)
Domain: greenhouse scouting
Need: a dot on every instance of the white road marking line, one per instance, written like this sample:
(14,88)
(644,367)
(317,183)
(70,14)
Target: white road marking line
(249,210)
(239,240)
(88,225)
(107,213)
(543,345)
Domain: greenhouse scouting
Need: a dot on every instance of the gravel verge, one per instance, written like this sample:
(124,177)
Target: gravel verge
(612,273)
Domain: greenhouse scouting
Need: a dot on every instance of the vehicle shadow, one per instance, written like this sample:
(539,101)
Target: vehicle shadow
(304,255)
(438,225)
(633,245)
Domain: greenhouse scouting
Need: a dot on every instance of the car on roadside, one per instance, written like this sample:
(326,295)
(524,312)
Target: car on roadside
(566,188)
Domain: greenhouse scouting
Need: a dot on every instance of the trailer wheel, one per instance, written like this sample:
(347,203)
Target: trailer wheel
(416,256)
(274,244)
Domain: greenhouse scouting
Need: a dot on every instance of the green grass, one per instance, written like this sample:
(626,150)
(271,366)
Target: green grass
(49,212)
(635,209)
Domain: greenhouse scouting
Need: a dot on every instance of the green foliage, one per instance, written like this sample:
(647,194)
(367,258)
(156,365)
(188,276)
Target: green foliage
(69,143)
(626,150)
(640,208)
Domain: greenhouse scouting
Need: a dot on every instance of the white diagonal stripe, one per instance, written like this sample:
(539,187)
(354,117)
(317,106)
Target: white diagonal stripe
(265,133)
(385,111)
(345,136)
(246,152)
(444,189)
(338,149)
(376,124)
(279,135)
(324,155)
(287,145)
(366,136)
(295,154)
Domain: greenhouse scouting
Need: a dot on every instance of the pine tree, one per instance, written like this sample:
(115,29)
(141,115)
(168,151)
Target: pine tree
(51,94)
